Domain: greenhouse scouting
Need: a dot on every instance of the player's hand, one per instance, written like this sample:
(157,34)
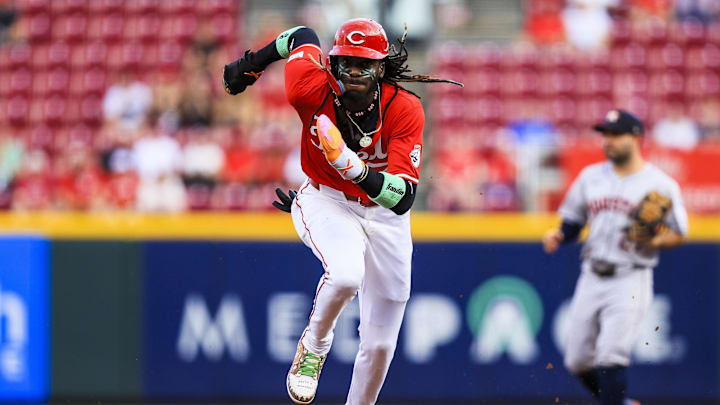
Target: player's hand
(551,240)
(285,203)
(330,138)
(238,75)
(343,159)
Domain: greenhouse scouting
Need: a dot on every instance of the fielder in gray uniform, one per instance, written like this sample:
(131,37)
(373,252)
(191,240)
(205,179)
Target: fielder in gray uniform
(633,210)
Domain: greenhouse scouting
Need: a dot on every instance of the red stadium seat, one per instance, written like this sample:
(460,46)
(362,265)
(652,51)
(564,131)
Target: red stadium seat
(39,137)
(688,32)
(94,82)
(17,110)
(58,54)
(170,54)
(145,28)
(19,55)
(630,56)
(106,6)
(596,82)
(702,84)
(58,82)
(107,28)
(557,82)
(177,6)
(215,7)
(670,56)
(91,111)
(178,27)
(712,33)
(562,110)
(20,82)
(224,28)
(31,7)
(139,7)
(703,57)
(522,81)
(478,82)
(621,33)
(630,82)
(39,28)
(59,7)
(667,84)
(482,57)
(92,54)
(53,110)
(71,28)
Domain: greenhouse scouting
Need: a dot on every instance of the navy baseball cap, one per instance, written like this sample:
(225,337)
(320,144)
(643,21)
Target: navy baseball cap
(620,122)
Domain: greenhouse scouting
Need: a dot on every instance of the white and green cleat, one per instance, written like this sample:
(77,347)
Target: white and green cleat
(302,379)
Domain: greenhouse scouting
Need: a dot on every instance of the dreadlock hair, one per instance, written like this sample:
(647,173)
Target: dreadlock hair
(396,68)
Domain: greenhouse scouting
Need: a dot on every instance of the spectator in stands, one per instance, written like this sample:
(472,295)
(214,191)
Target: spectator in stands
(203,162)
(196,107)
(11,157)
(703,10)
(676,130)
(709,120)
(544,25)
(159,159)
(78,182)
(127,102)
(643,9)
(33,186)
(588,23)
(8,16)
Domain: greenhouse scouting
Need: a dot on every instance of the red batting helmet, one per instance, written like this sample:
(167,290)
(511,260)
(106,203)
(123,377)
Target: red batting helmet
(361,37)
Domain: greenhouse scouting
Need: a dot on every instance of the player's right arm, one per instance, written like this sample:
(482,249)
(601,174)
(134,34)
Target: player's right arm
(240,74)
(573,211)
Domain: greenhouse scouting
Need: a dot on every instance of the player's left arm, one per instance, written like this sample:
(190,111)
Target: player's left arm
(675,231)
(396,187)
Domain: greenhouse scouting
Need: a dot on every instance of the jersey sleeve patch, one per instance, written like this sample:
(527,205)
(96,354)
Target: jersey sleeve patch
(415,155)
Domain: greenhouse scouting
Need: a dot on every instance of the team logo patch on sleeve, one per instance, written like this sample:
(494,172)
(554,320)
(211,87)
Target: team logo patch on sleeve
(415,155)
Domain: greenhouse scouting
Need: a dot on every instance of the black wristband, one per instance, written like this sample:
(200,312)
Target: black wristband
(264,56)
(570,231)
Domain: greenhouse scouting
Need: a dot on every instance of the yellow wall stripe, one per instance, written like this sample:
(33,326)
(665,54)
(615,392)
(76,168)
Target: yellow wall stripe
(278,226)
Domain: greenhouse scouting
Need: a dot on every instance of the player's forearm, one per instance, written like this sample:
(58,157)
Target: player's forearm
(667,240)
(388,190)
(281,47)
(570,231)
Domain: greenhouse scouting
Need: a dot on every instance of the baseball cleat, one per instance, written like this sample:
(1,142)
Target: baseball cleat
(302,379)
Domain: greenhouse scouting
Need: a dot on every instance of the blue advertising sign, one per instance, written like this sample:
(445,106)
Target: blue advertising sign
(485,321)
(24,319)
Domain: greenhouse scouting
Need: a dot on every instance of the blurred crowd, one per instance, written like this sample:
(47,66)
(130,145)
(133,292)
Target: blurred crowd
(128,112)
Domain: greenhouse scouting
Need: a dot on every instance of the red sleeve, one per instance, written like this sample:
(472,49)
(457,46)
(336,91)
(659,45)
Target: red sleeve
(405,144)
(304,80)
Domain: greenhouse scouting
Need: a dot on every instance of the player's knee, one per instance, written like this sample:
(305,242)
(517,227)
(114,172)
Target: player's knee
(346,285)
(380,350)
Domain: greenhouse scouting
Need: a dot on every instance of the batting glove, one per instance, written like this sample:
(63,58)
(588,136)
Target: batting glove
(342,158)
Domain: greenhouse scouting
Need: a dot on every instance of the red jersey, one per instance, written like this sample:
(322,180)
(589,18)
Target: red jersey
(395,149)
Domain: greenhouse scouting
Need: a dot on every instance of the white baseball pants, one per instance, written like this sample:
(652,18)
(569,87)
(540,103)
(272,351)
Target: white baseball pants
(364,250)
(605,314)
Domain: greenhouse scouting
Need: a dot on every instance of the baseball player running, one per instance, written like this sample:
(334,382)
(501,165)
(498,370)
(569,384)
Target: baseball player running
(361,150)
(633,210)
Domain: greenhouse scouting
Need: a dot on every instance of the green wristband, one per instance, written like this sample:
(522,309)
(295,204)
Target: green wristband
(393,190)
(282,42)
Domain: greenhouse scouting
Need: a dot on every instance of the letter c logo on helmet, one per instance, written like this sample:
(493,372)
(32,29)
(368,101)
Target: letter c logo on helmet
(362,38)
(356,41)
